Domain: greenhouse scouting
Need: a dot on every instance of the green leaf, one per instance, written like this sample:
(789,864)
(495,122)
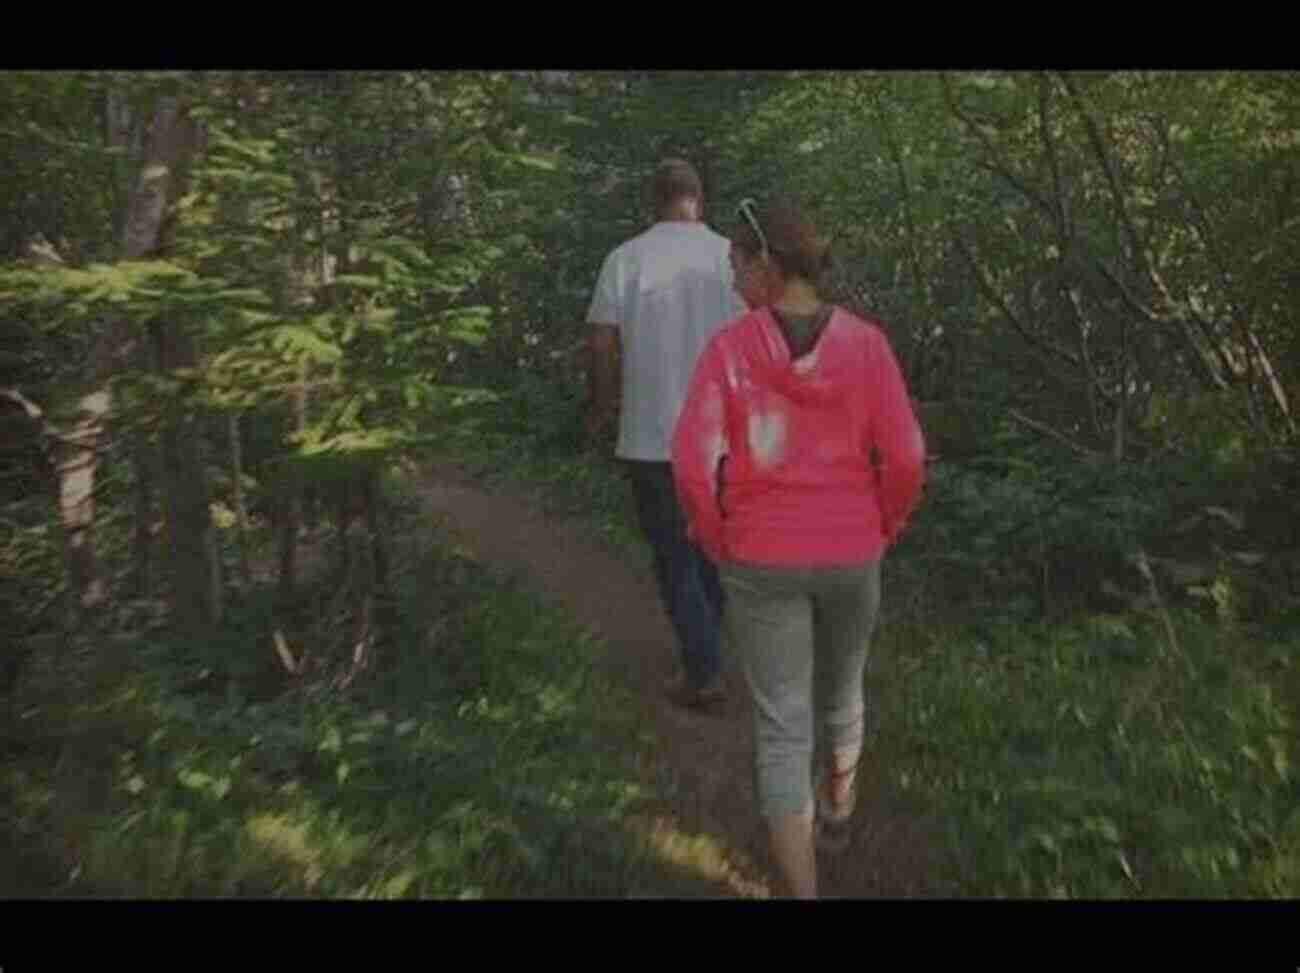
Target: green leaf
(368,281)
(1104,827)
(194,780)
(536,162)
(299,341)
(1281,763)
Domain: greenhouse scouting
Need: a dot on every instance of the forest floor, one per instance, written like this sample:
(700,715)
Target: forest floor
(707,758)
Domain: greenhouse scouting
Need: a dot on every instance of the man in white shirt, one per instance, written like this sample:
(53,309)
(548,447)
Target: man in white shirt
(660,297)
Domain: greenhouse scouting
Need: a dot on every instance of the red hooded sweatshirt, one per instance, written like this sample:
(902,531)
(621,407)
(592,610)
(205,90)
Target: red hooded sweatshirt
(816,461)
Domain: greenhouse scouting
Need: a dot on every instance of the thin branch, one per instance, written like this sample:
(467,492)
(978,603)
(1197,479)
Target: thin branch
(34,411)
(1137,246)
(1085,353)
(1140,255)
(262,389)
(994,297)
(41,251)
(1143,563)
(59,591)
(1201,227)
(908,216)
(1162,128)
(1049,146)
(1121,409)
(998,166)
(1047,430)
(1223,353)
(1277,240)
(1255,355)
(285,653)
(53,432)
(1213,375)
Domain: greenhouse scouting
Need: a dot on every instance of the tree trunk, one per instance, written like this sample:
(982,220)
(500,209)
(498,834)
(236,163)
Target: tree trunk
(1121,416)
(706,166)
(146,464)
(1121,407)
(372,507)
(195,575)
(189,521)
(241,508)
(76,442)
(290,503)
(216,579)
(74,456)
(75,464)
(289,516)
(146,459)
(1265,365)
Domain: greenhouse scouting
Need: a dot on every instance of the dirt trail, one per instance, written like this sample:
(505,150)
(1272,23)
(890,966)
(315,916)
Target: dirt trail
(709,758)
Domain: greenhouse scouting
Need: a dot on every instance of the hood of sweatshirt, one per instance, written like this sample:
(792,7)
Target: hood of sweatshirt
(818,379)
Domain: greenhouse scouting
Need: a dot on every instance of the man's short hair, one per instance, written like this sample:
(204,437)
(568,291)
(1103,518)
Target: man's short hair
(674,179)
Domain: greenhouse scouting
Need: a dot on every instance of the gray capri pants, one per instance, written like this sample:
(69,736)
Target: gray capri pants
(800,631)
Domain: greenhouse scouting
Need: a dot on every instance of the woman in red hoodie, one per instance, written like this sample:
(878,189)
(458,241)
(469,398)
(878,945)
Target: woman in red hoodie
(798,459)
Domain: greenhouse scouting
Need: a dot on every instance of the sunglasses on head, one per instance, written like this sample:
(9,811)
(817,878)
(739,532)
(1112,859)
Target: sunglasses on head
(748,208)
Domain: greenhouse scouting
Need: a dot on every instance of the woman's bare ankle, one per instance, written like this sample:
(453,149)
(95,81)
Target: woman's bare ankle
(841,777)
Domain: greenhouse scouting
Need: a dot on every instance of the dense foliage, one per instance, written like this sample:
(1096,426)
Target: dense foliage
(236,306)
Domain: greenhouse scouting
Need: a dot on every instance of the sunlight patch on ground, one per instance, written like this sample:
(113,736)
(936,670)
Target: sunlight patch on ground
(288,841)
(701,854)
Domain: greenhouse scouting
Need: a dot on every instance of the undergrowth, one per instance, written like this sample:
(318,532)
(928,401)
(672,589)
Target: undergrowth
(482,755)
(1076,744)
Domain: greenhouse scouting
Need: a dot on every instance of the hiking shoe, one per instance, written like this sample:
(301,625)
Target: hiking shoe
(686,696)
(832,829)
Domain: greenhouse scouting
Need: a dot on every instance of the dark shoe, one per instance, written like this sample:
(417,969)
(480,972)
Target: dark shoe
(681,693)
(832,828)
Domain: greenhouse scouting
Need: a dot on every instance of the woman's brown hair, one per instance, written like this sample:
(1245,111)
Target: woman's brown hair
(784,229)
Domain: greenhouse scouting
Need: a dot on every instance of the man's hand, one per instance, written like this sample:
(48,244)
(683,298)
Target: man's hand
(600,425)
(605,385)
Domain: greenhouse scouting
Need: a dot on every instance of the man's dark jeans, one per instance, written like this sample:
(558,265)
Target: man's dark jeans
(688,581)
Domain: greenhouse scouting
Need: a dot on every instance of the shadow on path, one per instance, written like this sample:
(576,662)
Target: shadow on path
(705,759)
